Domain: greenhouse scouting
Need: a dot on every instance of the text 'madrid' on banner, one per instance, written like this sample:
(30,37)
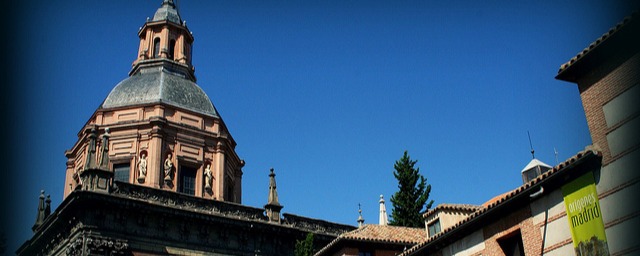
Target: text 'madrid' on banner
(585,216)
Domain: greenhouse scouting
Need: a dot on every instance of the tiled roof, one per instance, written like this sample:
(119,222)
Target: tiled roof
(495,198)
(493,203)
(453,207)
(598,41)
(380,234)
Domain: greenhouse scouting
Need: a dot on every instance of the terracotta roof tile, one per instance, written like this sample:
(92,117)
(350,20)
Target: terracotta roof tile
(453,207)
(597,42)
(380,234)
(495,199)
(387,233)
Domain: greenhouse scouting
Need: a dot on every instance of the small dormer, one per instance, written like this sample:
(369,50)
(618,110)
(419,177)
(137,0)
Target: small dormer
(534,169)
(445,216)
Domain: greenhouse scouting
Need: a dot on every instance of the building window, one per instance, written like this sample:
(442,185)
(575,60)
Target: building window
(121,171)
(156,47)
(187,180)
(229,194)
(172,46)
(512,245)
(434,227)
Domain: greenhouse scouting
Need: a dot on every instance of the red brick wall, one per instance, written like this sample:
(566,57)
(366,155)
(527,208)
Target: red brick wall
(347,251)
(355,251)
(518,220)
(386,253)
(595,94)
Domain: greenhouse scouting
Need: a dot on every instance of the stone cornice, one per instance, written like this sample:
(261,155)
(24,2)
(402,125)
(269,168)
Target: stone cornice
(82,213)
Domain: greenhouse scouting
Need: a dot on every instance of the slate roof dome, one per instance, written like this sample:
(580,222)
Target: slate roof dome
(167,11)
(160,85)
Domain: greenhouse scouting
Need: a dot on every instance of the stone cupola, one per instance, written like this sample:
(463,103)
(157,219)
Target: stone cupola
(163,130)
(166,39)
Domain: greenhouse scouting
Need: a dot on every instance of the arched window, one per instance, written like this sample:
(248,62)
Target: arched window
(156,47)
(172,47)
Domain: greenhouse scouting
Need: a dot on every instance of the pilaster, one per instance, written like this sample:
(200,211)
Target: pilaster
(220,162)
(155,174)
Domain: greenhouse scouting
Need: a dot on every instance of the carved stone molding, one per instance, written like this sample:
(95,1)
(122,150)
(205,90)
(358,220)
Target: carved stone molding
(87,244)
(75,247)
(189,203)
(109,246)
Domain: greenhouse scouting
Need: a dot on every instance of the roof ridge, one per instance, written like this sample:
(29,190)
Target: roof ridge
(454,206)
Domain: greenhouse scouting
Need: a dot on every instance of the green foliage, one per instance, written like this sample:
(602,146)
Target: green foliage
(411,198)
(304,247)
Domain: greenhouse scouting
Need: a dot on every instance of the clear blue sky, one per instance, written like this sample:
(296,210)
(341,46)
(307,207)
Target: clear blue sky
(329,93)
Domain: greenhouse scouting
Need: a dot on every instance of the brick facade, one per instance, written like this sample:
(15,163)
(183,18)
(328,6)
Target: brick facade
(595,94)
(519,220)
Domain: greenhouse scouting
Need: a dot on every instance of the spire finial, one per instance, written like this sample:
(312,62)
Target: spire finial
(360,219)
(41,212)
(384,219)
(169,2)
(273,192)
(273,206)
(168,11)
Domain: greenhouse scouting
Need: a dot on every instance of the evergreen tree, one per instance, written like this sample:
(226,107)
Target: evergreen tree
(304,247)
(411,198)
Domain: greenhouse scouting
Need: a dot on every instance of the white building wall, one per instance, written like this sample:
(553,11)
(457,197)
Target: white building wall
(469,245)
(613,209)
(562,251)
(551,200)
(619,172)
(618,188)
(623,236)
(557,228)
(558,231)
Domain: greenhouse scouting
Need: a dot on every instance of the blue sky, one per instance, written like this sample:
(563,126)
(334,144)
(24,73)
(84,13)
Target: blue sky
(329,93)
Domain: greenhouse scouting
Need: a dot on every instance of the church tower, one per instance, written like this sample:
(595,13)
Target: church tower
(155,172)
(163,130)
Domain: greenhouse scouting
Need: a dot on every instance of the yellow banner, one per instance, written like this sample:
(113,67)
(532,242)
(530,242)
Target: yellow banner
(585,216)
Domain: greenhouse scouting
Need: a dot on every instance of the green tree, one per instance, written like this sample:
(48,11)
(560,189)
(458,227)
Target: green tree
(304,247)
(411,198)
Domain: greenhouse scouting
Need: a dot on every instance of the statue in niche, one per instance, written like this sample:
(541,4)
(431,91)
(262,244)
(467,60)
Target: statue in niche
(142,167)
(168,166)
(208,177)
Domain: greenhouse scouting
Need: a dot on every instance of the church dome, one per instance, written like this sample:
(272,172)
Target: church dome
(168,12)
(159,85)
